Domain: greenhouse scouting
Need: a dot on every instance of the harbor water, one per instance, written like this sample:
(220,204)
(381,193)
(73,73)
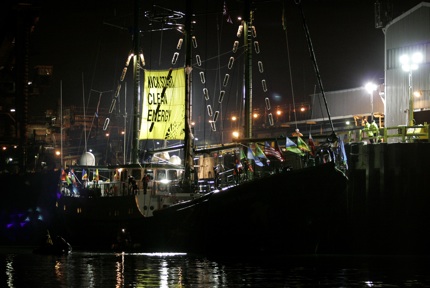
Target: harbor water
(21,268)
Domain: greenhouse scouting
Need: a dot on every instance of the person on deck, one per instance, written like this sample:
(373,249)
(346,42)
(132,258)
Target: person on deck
(145,181)
(132,186)
(237,170)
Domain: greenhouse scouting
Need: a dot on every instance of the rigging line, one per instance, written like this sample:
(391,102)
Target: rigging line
(319,102)
(96,113)
(85,120)
(312,110)
(333,136)
(225,53)
(97,58)
(284,25)
(161,45)
(218,75)
(205,85)
(85,111)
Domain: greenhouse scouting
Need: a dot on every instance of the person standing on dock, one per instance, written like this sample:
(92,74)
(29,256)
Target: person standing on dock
(372,131)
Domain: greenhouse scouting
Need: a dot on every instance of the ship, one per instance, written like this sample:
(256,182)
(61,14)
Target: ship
(236,198)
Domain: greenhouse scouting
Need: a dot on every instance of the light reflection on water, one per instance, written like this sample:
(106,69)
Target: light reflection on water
(83,269)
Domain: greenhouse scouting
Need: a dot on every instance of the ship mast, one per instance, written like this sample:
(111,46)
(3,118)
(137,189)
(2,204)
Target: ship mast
(247,90)
(188,145)
(136,80)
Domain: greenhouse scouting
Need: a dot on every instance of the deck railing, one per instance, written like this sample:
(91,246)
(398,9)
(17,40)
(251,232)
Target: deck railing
(407,134)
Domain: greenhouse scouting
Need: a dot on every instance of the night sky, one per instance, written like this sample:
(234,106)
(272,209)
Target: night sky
(88,54)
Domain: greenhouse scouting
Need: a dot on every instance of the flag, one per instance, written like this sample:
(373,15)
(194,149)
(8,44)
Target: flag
(84,175)
(311,145)
(259,153)
(292,147)
(226,14)
(302,144)
(96,175)
(273,151)
(63,175)
(343,153)
(251,156)
(242,154)
(72,176)
(289,143)
(69,179)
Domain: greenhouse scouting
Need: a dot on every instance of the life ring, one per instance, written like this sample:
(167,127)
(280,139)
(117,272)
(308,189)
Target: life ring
(162,187)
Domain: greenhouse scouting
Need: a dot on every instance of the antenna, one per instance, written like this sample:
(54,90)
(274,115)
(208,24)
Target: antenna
(378,21)
(383,13)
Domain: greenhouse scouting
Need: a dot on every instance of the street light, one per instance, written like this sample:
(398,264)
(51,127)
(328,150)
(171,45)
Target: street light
(410,63)
(370,88)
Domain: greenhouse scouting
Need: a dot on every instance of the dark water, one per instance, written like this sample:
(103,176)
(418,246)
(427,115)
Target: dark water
(21,268)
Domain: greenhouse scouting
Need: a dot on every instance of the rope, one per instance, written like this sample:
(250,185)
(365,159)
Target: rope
(289,63)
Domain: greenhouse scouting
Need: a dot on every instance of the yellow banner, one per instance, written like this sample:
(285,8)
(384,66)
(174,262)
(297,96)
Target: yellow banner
(163,114)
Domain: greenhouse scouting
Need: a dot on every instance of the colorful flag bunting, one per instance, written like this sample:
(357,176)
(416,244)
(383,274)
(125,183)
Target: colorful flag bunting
(251,156)
(242,154)
(311,144)
(63,175)
(259,153)
(273,151)
(292,147)
(289,143)
(69,179)
(302,144)
(84,174)
(343,153)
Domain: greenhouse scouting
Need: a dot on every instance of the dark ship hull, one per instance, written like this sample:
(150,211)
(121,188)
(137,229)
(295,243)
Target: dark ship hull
(284,213)
(280,213)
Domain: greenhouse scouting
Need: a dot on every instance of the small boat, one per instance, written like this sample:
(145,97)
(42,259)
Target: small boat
(58,246)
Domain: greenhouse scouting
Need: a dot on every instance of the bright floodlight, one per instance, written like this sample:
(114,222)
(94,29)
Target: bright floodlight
(370,87)
(417,57)
(410,63)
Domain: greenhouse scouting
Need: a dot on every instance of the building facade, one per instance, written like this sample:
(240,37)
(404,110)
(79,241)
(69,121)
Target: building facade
(407,34)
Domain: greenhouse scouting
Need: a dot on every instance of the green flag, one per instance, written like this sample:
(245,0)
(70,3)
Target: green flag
(292,147)
(302,145)
(259,153)
(242,154)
